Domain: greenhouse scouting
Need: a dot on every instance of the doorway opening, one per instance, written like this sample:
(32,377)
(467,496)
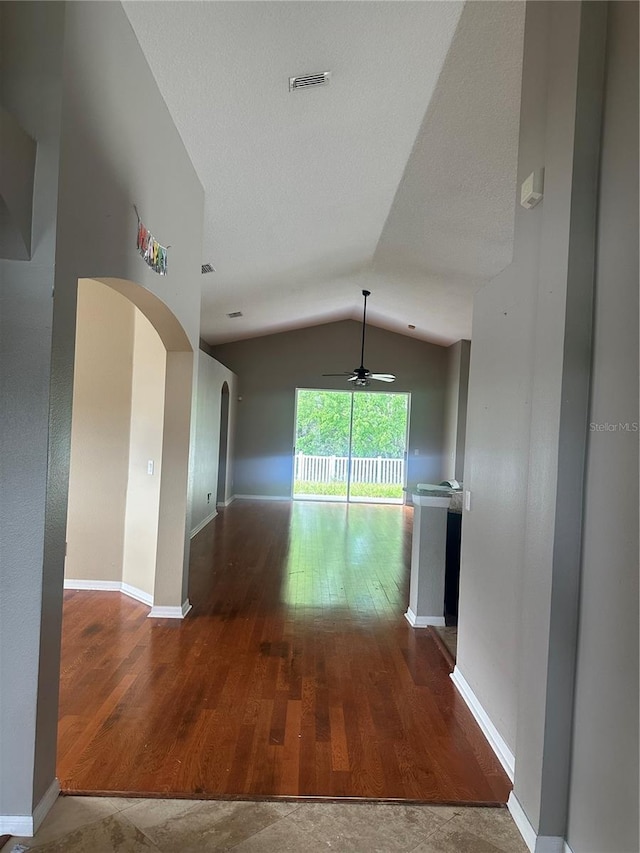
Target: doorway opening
(350,446)
(221,496)
(127,499)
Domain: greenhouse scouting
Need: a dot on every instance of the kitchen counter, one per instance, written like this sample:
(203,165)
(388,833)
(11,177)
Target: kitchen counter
(429,491)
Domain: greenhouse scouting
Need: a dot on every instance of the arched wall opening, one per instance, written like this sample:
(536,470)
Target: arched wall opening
(212,448)
(127,516)
(223,446)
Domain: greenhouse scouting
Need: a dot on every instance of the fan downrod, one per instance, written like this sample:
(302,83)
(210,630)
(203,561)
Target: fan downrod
(360,376)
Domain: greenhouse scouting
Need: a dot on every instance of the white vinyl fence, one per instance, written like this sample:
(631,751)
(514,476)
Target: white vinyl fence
(327,469)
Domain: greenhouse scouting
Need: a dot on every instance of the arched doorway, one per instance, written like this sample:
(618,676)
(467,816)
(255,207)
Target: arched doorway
(127,517)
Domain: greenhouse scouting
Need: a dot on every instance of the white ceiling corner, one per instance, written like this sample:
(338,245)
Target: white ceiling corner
(399,176)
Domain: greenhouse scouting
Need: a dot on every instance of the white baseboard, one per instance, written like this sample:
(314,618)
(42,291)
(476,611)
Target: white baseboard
(550,844)
(45,804)
(227,502)
(28,825)
(520,819)
(160,612)
(110,586)
(202,524)
(336,499)
(535,843)
(262,497)
(105,586)
(496,741)
(423,621)
(138,594)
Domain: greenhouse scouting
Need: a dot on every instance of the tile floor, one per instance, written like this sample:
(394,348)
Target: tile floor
(107,825)
(450,639)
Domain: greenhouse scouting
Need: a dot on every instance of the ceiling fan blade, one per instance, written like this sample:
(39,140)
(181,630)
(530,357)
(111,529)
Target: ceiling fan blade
(345,373)
(383,377)
(352,378)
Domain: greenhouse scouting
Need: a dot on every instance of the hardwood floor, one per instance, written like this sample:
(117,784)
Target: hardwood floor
(296,673)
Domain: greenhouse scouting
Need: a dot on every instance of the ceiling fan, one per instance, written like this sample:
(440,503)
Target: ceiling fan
(360,376)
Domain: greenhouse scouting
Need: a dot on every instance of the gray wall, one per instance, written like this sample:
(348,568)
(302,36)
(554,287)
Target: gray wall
(455,417)
(205,443)
(603,808)
(497,447)
(270,368)
(17,172)
(527,432)
(104,136)
(31,90)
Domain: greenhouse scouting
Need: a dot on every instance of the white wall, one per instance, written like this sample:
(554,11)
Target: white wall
(204,467)
(145,445)
(100,434)
(117,427)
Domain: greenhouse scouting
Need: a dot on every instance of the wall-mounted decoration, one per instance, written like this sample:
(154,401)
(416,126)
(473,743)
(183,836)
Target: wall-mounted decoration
(153,253)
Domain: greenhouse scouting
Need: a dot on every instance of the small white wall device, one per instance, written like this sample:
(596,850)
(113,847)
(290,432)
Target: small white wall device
(532,189)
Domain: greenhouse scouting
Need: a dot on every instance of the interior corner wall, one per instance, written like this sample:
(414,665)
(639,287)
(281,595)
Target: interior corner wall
(100,427)
(527,430)
(145,447)
(270,368)
(463,394)
(455,412)
(75,78)
(31,47)
(496,466)
(120,149)
(603,806)
(498,430)
(206,437)
(451,411)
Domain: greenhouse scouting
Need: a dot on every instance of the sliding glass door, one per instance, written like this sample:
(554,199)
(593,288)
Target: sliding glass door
(378,446)
(350,446)
(323,436)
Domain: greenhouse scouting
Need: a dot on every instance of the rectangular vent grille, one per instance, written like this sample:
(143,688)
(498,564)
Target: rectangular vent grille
(234,314)
(308,81)
(207,268)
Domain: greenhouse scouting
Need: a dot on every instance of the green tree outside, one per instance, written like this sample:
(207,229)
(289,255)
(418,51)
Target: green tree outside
(379,424)
(323,423)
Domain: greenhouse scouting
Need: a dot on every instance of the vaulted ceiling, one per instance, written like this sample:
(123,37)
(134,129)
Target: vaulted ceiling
(399,176)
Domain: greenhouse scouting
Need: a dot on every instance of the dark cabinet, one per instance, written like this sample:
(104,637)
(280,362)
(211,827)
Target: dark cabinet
(452,568)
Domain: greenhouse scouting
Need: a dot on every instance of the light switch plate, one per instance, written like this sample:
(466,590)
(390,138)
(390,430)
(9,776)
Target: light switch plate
(532,189)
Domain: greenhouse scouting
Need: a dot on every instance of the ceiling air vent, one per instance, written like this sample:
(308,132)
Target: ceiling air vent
(309,81)
(234,314)
(207,268)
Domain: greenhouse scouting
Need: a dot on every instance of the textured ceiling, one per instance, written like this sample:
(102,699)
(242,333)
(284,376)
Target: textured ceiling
(399,176)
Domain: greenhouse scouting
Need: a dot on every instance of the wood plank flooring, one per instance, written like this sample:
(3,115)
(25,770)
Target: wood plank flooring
(295,674)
